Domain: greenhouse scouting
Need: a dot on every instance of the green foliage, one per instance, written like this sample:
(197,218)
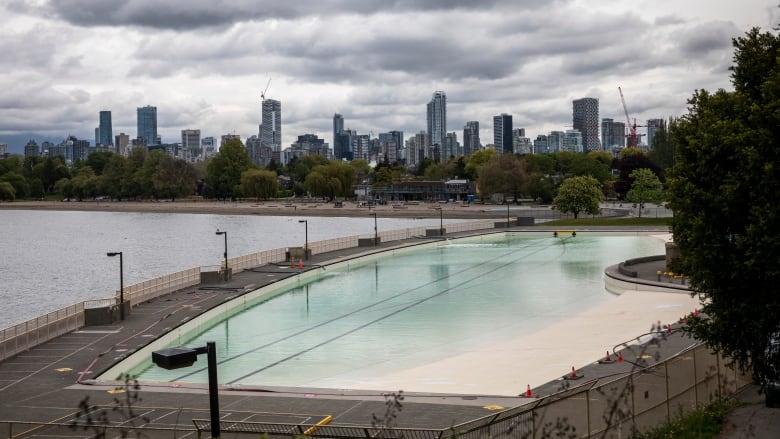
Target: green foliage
(19,183)
(334,179)
(476,160)
(223,173)
(7,191)
(505,174)
(541,187)
(259,183)
(703,423)
(384,174)
(725,193)
(646,188)
(636,159)
(663,147)
(579,194)
(543,164)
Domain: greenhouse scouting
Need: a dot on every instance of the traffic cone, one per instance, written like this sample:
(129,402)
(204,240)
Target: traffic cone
(620,357)
(696,313)
(573,375)
(528,393)
(607,359)
(669,329)
(300,264)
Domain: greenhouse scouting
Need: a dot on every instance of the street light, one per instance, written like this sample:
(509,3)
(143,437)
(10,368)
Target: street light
(226,260)
(121,284)
(441,221)
(306,242)
(175,358)
(507,215)
(376,236)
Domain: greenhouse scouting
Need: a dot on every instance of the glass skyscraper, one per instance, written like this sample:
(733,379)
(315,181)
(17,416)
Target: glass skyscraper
(437,118)
(502,133)
(147,124)
(271,126)
(105,132)
(585,118)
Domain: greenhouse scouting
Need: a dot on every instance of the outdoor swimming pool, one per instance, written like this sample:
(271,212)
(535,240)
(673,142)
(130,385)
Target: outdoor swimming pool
(391,312)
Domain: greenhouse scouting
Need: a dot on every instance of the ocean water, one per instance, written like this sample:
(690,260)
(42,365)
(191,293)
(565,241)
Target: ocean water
(53,259)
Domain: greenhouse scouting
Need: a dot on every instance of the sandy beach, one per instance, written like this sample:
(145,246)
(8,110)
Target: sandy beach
(284,208)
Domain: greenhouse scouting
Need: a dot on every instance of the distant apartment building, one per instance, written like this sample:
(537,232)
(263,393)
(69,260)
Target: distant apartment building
(271,125)
(122,144)
(585,119)
(422,142)
(209,146)
(228,137)
(310,144)
(389,145)
(361,146)
(653,125)
(613,134)
(541,146)
(502,133)
(471,142)
(191,149)
(146,121)
(3,150)
(450,147)
(520,143)
(31,149)
(437,118)
(573,141)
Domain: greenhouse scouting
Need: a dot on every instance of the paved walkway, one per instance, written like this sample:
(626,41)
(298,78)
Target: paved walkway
(47,383)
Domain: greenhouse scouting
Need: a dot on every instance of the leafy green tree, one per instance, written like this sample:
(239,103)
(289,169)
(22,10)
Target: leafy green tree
(628,162)
(646,188)
(543,164)
(223,173)
(476,159)
(579,194)
(172,178)
(541,187)
(98,160)
(384,173)
(662,149)
(51,170)
(21,187)
(113,174)
(362,170)
(64,187)
(7,191)
(85,183)
(259,183)
(505,174)
(725,193)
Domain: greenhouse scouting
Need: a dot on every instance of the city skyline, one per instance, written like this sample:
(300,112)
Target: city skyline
(204,67)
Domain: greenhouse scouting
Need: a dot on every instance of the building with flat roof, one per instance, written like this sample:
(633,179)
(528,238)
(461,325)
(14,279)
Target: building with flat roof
(585,119)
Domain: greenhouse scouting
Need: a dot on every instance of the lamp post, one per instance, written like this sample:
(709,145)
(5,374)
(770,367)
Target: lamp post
(507,215)
(376,235)
(121,284)
(175,358)
(306,241)
(441,221)
(226,260)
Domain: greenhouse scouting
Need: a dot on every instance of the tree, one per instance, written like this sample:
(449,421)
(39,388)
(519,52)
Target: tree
(630,159)
(505,174)
(478,158)
(223,173)
(579,194)
(725,193)
(259,183)
(662,149)
(646,188)
(7,191)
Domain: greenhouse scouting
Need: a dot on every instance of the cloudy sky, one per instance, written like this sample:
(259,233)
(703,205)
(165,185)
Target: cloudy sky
(203,63)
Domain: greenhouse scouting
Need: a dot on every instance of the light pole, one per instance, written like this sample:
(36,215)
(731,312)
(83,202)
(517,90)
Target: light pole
(507,215)
(226,260)
(121,284)
(175,358)
(441,221)
(376,235)
(306,241)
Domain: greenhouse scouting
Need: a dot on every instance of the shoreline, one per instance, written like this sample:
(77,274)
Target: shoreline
(297,208)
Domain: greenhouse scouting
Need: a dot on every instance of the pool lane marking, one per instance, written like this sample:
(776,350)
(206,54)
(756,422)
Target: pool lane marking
(379,319)
(337,318)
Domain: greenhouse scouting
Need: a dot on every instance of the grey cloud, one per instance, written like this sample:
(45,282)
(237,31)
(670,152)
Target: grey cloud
(195,14)
(698,41)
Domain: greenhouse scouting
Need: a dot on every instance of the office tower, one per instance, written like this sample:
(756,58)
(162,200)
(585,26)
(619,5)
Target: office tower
(342,144)
(653,125)
(389,144)
(190,145)
(502,133)
(147,124)
(573,141)
(437,118)
(613,134)
(540,145)
(105,135)
(520,143)
(271,127)
(209,145)
(3,149)
(471,143)
(585,118)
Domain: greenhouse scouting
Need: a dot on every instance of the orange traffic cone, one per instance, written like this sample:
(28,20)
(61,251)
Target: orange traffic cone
(528,393)
(607,359)
(300,264)
(620,357)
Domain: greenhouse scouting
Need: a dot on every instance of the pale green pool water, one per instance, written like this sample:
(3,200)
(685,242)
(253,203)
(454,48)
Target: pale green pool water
(397,312)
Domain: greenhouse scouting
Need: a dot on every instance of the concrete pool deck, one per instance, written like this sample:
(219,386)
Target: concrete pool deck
(41,385)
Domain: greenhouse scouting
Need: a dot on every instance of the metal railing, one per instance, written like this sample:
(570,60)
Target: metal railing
(25,335)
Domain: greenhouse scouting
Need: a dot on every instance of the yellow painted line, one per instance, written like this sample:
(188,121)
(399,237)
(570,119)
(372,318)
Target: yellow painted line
(64,369)
(326,420)
(645,357)
(115,391)
(493,407)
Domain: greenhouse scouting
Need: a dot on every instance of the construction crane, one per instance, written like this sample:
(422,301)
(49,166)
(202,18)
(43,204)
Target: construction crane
(632,139)
(262,93)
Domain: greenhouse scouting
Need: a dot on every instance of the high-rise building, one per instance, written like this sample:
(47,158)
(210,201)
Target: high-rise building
(209,145)
(471,142)
(653,125)
(105,132)
(271,126)
(31,149)
(520,143)
(613,134)
(502,133)
(437,118)
(147,124)
(190,145)
(585,118)
(121,144)
(342,144)
(3,149)
(338,127)
(573,141)
(541,146)
(389,144)
(450,147)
